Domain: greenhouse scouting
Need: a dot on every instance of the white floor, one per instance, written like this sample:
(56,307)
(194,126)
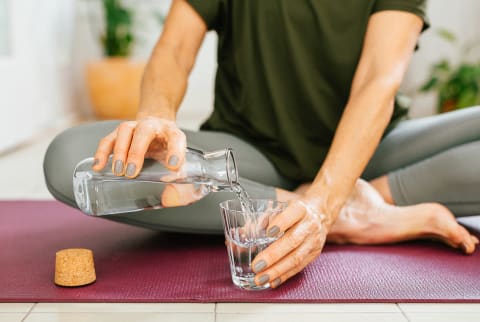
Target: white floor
(22,178)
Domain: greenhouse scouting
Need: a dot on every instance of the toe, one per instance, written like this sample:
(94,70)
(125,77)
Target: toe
(450,231)
(475,239)
(462,238)
(468,243)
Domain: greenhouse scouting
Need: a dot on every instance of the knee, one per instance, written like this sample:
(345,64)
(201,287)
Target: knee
(58,165)
(66,150)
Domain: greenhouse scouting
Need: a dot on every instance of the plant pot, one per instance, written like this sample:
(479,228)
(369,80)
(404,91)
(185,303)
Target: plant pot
(114,87)
(448,106)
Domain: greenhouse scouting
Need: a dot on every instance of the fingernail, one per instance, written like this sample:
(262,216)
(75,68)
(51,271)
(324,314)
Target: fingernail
(95,162)
(273,231)
(263,279)
(130,169)
(464,247)
(275,282)
(173,161)
(260,265)
(118,169)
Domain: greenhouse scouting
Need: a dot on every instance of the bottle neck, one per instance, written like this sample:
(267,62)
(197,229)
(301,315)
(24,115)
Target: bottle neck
(221,167)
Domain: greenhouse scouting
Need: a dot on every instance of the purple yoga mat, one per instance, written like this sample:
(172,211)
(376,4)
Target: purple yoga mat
(138,265)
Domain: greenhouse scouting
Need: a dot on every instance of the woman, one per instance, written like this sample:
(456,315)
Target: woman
(306,95)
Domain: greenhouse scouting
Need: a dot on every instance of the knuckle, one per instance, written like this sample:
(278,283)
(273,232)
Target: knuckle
(273,273)
(125,126)
(145,127)
(293,239)
(104,141)
(135,155)
(317,239)
(120,150)
(310,225)
(297,260)
(101,151)
(178,135)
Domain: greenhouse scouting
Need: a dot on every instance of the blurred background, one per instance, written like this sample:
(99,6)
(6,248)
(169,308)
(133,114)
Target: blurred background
(67,61)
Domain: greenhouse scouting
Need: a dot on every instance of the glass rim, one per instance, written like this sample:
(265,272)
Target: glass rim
(223,204)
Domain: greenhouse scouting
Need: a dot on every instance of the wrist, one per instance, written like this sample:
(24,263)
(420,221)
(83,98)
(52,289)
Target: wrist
(316,206)
(161,109)
(322,195)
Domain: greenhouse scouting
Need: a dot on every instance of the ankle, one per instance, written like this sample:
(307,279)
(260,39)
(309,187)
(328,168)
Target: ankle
(381,185)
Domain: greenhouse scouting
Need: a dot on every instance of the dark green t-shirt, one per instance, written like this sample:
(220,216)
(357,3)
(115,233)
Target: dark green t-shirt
(285,68)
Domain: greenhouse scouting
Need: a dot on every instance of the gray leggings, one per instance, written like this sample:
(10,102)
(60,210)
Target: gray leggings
(434,159)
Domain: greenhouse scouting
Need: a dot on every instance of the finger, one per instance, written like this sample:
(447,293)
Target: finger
(122,145)
(175,195)
(176,147)
(277,281)
(142,137)
(173,176)
(286,219)
(262,222)
(296,258)
(105,147)
(292,239)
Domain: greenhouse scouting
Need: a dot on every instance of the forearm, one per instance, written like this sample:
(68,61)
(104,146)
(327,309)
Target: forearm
(380,71)
(364,120)
(163,85)
(165,78)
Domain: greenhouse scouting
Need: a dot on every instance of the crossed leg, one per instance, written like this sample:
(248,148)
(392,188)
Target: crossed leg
(367,219)
(428,167)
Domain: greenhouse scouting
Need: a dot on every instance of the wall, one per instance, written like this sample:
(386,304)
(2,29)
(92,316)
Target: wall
(35,76)
(5,40)
(461,17)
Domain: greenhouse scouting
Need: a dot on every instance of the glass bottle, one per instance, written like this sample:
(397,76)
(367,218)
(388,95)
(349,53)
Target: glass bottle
(102,193)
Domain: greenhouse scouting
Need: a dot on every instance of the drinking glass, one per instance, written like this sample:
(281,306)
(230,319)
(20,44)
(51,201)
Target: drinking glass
(245,233)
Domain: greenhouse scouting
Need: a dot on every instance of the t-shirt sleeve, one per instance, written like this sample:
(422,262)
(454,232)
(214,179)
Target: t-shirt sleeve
(210,11)
(417,7)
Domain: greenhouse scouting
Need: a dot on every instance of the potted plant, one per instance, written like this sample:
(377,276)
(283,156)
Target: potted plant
(114,81)
(457,86)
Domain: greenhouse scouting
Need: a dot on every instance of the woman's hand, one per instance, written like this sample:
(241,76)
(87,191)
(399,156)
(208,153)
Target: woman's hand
(133,141)
(304,235)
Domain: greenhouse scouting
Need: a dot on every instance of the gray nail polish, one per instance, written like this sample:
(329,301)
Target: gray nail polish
(118,169)
(273,231)
(259,266)
(275,282)
(173,161)
(263,279)
(131,167)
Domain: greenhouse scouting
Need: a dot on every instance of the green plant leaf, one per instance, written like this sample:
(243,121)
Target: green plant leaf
(447,35)
(118,37)
(429,85)
(442,66)
(468,97)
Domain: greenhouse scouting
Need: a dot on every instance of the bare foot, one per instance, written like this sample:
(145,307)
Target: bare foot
(367,219)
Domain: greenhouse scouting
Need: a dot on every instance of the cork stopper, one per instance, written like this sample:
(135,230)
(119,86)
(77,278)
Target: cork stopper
(74,267)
